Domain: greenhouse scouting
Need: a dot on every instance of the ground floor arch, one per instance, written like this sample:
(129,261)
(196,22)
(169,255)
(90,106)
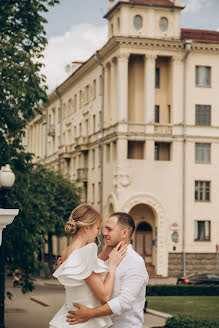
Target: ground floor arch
(151,236)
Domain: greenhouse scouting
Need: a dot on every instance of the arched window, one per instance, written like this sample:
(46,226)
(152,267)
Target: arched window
(144,226)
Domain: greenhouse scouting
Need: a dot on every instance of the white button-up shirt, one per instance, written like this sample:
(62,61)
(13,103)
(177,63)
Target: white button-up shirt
(128,296)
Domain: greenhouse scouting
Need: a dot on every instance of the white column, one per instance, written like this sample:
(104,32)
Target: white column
(177,90)
(149,87)
(106,95)
(123,87)
(113,93)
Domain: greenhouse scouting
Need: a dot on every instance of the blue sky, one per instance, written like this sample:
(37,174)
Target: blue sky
(76,29)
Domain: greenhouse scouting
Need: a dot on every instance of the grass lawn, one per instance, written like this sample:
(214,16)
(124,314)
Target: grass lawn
(199,307)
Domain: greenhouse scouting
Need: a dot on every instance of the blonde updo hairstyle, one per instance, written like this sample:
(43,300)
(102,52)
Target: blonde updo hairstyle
(83,215)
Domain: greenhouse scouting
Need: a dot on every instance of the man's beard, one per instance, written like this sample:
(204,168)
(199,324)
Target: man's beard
(112,244)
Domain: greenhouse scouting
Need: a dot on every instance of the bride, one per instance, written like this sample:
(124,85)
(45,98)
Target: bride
(86,278)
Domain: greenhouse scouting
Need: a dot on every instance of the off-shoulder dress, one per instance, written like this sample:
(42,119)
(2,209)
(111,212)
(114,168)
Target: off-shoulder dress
(72,274)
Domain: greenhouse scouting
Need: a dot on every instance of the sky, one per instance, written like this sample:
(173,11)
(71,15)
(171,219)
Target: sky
(77,29)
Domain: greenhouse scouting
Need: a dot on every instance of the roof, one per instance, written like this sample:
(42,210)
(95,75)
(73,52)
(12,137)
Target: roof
(203,36)
(156,2)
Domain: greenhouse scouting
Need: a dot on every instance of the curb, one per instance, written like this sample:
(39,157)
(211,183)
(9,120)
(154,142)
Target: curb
(159,314)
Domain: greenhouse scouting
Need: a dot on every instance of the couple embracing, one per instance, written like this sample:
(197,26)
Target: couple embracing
(102,291)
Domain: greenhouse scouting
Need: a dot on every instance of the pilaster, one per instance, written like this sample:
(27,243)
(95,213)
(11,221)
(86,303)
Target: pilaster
(149,85)
(177,89)
(123,87)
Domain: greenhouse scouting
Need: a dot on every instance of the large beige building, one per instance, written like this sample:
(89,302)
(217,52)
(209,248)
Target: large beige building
(137,125)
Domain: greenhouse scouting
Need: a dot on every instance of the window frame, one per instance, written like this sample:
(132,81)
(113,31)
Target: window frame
(202,191)
(197,78)
(198,109)
(199,161)
(157,77)
(207,233)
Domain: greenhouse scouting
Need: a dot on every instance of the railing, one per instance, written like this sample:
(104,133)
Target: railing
(163,129)
(136,128)
(81,140)
(82,174)
(51,130)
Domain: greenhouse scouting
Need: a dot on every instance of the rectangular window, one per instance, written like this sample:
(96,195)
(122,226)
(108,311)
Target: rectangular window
(86,127)
(202,153)
(203,76)
(59,114)
(100,85)
(157,78)
(136,149)
(80,99)
(162,151)
(99,191)
(93,158)
(202,190)
(86,94)
(202,230)
(94,123)
(94,88)
(203,115)
(107,153)
(80,129)
(157,114)
(169,113)
(93,193)
(69,106)
(114,150)
(75,103)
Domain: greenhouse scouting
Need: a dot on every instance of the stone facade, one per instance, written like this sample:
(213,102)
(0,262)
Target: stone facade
(195,263)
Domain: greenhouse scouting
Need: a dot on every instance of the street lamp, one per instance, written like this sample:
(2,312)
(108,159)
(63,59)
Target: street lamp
(7,179)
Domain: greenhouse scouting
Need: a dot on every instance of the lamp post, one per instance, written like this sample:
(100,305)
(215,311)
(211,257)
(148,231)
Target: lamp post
(7,179)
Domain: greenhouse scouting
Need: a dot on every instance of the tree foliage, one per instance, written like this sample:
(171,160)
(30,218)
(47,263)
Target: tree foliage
(22,87)
(45,200)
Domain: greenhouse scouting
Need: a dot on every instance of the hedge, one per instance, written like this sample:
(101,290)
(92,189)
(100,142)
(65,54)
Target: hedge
(187,322)
(182,290)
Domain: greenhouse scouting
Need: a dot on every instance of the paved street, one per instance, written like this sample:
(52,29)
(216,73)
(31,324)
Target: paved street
(34,310)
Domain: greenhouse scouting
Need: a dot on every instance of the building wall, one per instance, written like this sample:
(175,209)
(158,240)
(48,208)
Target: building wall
(142,160)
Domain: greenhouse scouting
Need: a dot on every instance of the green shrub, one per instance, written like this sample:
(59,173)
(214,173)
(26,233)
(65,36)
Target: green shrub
(182,290)
(187,322)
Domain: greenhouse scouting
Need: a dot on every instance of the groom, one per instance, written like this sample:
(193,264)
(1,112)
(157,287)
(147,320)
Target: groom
(128,296)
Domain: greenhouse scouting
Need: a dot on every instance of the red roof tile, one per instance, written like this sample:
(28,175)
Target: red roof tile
(203,36)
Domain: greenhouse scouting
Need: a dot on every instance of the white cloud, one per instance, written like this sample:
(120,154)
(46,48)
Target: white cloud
(79,43)
(194,5)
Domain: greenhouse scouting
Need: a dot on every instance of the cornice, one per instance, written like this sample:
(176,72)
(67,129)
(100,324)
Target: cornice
(149,5)
(117,42)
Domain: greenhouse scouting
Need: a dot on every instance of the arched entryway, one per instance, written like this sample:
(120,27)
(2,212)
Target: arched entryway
(144,218)
(143,241)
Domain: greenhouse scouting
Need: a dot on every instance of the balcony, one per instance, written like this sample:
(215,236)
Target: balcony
(51,130)
(82,175)
(81,143)
(137,128)
(63,152)
(163,129)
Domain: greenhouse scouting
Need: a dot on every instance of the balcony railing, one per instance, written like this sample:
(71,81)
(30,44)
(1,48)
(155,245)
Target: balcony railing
(82,174)
(163,129)
(51,130)
(136,128)
(81,143)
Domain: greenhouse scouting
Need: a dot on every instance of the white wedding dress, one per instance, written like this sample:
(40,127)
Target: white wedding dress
(72,273)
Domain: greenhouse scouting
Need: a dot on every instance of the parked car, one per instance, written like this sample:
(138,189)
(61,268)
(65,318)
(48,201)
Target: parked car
(200,279)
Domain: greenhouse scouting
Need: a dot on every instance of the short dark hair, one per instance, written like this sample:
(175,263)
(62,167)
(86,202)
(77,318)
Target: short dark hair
(126,220)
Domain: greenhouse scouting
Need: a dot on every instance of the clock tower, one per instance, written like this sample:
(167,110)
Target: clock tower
(155,19)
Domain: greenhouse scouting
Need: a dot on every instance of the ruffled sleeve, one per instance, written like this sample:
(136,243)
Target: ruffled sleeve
(79,265)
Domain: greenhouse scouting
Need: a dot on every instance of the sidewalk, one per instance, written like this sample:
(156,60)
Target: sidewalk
(35,310)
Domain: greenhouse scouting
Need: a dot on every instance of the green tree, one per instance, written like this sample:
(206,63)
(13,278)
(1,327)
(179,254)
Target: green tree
(22,87)
(45,200)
